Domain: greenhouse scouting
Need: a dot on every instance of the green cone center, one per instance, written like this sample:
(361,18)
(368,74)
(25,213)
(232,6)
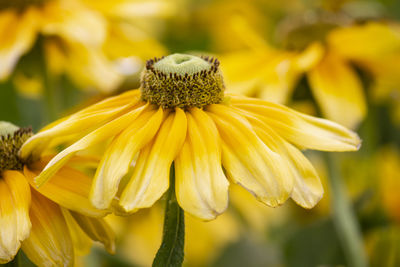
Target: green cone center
(183,81)
(11,140)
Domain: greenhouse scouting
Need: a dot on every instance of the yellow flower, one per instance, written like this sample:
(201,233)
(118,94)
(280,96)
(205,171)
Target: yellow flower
(49,223)
(272,73)
(73,36)
(84,39)
(181,115)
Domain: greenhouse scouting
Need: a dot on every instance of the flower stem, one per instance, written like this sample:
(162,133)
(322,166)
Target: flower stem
(344,218)
(171,251)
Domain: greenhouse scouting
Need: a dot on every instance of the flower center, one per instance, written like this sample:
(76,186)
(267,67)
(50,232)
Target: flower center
(20,4)
(183,81)
(11,140)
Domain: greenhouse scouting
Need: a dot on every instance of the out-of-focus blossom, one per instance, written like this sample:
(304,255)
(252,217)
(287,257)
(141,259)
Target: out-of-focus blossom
(80,38)
(272,73)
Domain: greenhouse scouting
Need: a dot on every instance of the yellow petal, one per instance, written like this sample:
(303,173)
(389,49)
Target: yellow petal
(92,117)
(150,177)
(118,157)
(17,34)
(49,243)
(307,187)
(299,129)
(366,41)
(102,133)
(73,22)
(68,188)
(9,244)
(201,186)
(97,230)
(21,193)
(81,242)
(248,161)
(338,91)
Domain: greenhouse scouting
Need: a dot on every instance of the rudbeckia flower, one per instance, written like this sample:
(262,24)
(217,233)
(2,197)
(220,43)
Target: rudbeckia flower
(83,39)
(181,115)
(273,73)
(51,223)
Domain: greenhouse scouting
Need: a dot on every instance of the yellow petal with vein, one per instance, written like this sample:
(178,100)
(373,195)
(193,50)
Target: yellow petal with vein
(118,157)
(338,91)
(81,242)
(92,117)
(102,133)
(68,188)
(201,186)
(9,244)
(248,161)
(307,187)
(150,177)
(21,193)
(49,243)
(299,129)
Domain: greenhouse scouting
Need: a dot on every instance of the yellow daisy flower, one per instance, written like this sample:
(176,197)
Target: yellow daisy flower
(71,31)
(49,223)
(272,73)
(181,115)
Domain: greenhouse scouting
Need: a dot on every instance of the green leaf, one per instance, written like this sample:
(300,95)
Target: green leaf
(171,252)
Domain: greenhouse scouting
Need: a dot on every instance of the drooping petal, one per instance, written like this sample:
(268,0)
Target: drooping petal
(17,33)
(102,133)
(338,91)
(150,177)
(248,161)
(97,230)
(21,193)
(118,157)
(81,242)
(68,187)
(201,186)
(299,129)
(92,117)
(9,244)
(49,243)
(307,187)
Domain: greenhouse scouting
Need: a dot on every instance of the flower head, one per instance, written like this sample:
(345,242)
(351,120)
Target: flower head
(50,222)
(181,116)
(328,63)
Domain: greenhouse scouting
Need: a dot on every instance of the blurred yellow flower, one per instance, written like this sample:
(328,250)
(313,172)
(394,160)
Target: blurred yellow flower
(181,115)
(272,74)
(49,223)
(81,38)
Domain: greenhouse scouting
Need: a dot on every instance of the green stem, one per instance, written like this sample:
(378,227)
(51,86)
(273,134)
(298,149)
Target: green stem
(344,218)
(171,251)
(50,94)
